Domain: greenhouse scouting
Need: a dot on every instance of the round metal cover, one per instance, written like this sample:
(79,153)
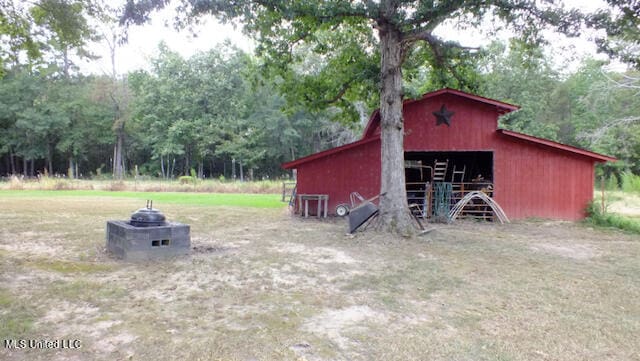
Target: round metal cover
(147,217)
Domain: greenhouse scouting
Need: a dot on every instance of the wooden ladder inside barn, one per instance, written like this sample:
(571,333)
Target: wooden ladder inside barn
(459,173)
(440,170)
(457,179)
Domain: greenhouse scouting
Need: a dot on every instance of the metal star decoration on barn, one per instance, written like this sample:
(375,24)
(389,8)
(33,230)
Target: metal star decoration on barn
(443,116)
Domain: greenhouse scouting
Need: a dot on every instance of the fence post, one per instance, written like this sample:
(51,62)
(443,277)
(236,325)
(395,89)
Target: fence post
(602,190)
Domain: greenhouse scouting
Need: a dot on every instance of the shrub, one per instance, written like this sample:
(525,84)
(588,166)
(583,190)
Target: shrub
(606,219)
(630,182)
(116,186)
(611,183)
(16,183)
(187,179)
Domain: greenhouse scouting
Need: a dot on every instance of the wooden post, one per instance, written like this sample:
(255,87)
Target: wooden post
(326,205)
(602,195)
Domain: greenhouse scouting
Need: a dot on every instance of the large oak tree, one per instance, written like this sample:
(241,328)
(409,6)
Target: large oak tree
(392,30)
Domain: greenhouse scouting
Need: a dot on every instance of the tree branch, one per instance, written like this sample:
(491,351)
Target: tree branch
(426,35)
(340,94)
(597,134)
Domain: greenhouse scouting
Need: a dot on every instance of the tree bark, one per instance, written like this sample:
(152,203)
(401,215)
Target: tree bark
(12,157)
(233,169)
(162,167)
(71,171)
(118,162)
(394,210)
(49,158)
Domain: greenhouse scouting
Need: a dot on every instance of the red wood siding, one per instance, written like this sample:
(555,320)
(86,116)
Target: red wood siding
(531,178)
(537,181)
(472,126)
(339,174)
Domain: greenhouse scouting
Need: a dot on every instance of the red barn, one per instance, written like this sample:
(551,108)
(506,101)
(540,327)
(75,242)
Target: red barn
(526,175)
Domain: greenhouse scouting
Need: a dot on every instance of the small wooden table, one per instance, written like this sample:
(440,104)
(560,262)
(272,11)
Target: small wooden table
(313,197)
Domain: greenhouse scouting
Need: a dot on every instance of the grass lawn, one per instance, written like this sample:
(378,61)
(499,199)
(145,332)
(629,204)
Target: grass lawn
(261,285)
(201,199)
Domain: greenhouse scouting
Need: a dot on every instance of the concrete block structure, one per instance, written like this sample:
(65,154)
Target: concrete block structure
(133,243)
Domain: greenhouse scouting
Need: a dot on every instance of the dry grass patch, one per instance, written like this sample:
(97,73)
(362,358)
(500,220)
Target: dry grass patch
(144,184)
(260,285)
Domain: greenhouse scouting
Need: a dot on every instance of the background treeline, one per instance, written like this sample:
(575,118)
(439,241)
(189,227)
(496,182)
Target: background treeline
(215,114)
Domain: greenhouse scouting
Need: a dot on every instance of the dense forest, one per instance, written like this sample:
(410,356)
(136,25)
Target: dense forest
(224,113)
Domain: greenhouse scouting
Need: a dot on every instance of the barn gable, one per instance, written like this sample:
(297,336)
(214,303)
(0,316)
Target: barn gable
(430,102)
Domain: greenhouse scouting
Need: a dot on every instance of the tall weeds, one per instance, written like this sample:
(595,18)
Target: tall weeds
(630,182)
(203,186)
(598,217)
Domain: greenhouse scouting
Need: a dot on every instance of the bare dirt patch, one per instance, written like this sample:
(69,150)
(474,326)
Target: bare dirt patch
(575,251)
(335,323)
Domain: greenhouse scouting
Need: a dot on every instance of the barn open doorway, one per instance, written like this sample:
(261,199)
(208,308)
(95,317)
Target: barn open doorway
(465,170)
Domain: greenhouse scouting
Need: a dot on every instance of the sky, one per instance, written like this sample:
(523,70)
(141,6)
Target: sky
(143,42)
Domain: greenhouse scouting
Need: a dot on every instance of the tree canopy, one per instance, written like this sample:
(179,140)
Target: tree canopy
(348,34)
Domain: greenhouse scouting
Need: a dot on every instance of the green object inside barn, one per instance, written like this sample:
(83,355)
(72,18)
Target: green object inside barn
(442,201)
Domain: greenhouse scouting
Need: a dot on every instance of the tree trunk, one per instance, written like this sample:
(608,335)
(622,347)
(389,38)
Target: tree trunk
(71,170)
(241,175)
(233,169)
(394,210)
(118,163)
(12,157)
(162,167)
(49,159)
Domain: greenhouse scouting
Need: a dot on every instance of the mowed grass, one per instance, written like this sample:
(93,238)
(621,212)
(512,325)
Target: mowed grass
(262,285)
(201,199)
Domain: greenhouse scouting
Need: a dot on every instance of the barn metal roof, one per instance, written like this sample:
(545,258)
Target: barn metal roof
(549,143)
(501,107)
(324,153)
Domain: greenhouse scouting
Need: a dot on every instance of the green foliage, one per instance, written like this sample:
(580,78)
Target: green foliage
(611,183)
(604,110)
(58,28)
(620,22)
(41,115)
(327,53)
(522,75)
(216,105)
(630,182)
(606,219)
